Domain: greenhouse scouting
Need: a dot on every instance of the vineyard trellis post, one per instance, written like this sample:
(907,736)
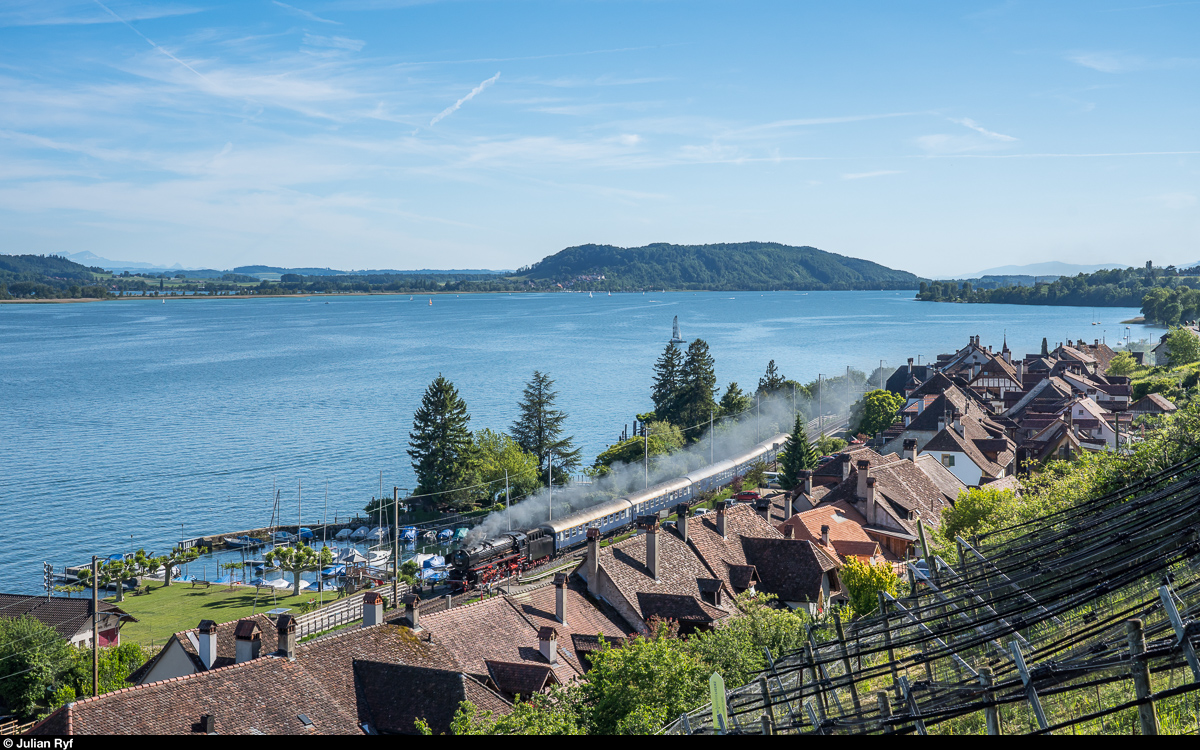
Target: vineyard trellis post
(1030,690)
(841,636)
(1181,630)
(991,712)
(1140,667)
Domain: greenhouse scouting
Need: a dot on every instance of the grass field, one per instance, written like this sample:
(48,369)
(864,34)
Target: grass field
(170,609)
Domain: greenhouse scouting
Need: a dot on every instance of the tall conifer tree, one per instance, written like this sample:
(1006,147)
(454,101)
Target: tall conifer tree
(668,376)
(539,430)
(699,387)
(440,444)
(771,382)
(799,454)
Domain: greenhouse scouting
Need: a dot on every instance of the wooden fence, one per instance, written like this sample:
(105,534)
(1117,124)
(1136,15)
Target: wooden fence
(341,612)
(12,728)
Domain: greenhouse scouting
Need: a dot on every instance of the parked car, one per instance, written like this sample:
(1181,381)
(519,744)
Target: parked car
(699,512)
(747,496)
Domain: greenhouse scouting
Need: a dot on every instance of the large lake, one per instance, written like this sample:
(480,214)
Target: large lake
(135,423)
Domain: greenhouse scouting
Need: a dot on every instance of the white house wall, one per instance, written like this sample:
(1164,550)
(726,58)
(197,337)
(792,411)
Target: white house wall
(964,468)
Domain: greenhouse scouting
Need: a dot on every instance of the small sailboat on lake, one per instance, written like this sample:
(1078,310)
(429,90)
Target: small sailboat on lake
(676,337)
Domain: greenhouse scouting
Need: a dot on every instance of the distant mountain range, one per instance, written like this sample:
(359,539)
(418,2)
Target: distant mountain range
(88,258)
(1049,268)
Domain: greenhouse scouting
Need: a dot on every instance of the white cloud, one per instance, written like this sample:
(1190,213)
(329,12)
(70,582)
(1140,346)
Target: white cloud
(80,12)
(969,123)
(334,42)
(454,107)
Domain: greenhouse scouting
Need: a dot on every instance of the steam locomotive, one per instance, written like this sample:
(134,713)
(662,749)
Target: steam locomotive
(515,551)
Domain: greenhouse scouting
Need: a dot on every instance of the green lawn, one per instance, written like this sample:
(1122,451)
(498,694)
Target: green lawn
(170,609)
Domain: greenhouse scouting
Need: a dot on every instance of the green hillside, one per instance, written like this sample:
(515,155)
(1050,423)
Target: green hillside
(739,266)
(47,276)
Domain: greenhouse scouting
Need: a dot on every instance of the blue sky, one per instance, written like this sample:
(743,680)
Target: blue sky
(941,138)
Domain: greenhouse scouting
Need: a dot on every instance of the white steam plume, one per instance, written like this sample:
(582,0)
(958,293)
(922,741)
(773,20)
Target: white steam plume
(733,437)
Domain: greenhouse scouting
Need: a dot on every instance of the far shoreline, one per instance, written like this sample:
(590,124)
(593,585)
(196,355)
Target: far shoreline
(309,295)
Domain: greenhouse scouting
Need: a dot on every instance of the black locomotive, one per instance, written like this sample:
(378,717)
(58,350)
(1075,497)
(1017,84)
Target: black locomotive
(501,556)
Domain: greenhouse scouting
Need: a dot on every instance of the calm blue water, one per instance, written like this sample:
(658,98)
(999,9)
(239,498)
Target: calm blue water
(135,423)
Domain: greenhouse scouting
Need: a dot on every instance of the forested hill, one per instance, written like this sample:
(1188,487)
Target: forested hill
(1166,295)
(741,266)
(43,267)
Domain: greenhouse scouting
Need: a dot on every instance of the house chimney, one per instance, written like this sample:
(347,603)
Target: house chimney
(412,610)
(560,597)
(372,609)
(920,405)
(975,368)
(548,643)
(650,525)
(825,535)
(845,459)
(208,643)
(721,517)
(285,626)
(871,500)
(591,563)
(864,471)
(787,505)
(1045,348)
(910,449)
(789,531)
(681,514)
(248,641)
(941,422)
(1019,366)
(958,422)
(208,723)
(806,476)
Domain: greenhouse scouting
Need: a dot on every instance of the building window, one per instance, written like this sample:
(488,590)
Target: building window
(947,460)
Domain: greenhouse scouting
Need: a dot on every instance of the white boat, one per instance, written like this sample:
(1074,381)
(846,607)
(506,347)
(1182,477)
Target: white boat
(360,533)
(378,534)
(343,535)
(589,296)
(676,337)
(378,557)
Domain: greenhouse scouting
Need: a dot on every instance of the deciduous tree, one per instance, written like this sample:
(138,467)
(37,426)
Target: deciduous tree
(875,412)
(298,559)
(499,453)
(864,581)
(1183,346)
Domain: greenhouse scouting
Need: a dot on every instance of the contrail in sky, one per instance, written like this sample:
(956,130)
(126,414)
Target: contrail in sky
(152,44)
(454,107)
